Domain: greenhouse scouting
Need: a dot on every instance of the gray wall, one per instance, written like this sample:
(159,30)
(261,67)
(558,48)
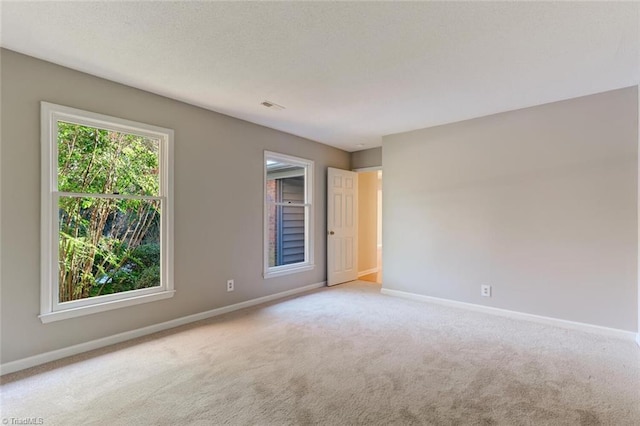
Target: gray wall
(366,158)
(540,203)
(218,204)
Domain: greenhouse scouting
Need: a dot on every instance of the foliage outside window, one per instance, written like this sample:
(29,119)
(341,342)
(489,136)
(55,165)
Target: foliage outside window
(106,212)
(288,209)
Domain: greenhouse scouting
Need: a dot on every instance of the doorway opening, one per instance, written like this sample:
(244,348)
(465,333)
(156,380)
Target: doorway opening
(370,226)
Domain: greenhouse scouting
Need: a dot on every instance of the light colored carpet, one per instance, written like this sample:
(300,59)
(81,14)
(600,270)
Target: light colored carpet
(338,356)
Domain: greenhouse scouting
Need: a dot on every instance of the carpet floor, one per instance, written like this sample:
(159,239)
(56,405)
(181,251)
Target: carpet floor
(345,355)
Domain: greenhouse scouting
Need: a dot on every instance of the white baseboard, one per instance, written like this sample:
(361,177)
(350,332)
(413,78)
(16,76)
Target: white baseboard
(572,325)
(32,361)
(367,272)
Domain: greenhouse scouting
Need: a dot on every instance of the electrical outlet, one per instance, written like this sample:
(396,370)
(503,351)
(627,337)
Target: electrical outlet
(229,285)
(485,290)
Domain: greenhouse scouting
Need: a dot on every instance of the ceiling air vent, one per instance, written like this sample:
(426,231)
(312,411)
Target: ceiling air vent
(272,105)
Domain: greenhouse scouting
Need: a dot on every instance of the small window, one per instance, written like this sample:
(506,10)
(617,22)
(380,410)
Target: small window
(287,215)
(106,213)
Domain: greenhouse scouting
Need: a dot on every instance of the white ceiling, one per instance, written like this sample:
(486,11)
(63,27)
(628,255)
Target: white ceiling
(347,73)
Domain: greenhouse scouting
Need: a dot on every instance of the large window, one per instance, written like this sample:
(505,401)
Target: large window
(288,215)
(106,213)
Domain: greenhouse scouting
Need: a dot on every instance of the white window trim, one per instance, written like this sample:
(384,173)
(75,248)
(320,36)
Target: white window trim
(308,264)
(50,309)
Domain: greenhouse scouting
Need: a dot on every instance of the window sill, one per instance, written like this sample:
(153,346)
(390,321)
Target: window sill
(102,307)
(280,271)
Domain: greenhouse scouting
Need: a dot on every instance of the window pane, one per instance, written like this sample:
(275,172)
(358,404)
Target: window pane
(97,161)
(286,234)
(107,246)
(277,166)
(291,177)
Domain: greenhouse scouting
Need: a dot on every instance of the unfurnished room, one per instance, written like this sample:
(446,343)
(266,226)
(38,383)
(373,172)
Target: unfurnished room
(319,213)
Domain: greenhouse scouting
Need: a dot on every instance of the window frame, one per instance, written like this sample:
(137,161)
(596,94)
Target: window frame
(50,307)
(308,264)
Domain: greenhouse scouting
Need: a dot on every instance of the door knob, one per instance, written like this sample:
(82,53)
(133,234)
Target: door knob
(331,232)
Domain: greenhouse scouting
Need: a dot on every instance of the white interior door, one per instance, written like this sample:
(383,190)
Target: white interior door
(342,226)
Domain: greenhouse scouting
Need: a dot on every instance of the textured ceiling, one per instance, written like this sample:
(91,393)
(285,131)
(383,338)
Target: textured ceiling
(347,73)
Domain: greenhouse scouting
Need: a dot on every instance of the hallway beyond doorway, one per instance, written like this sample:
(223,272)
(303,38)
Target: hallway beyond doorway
(370,226)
